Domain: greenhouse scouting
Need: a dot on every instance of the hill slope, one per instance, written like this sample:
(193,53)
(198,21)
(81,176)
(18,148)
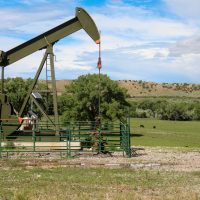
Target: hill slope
(143,89)
(146,89)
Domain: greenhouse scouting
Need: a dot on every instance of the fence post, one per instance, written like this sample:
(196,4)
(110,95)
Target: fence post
(68,142)
(129,132)
(34,137)
(79,133)
(120,135)
(100,140)
(70,138)
(1,131)
(128,140)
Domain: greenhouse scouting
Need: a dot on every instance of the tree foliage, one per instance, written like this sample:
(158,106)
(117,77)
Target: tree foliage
(80,101)
(16,90)
(166,109)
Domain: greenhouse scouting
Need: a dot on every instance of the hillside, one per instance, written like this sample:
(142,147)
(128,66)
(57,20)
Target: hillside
(146,89)
(143,89)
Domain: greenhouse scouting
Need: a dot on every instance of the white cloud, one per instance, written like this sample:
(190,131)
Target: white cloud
(148,28)
(187,46)
(150,62)
(136,44)
(188,9)
(148,53)
(187,66)
(25,67)
(7,43)
(28,19)
(68,57)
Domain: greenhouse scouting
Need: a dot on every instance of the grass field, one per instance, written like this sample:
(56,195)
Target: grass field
(38,182)
(99,183)
(166,133)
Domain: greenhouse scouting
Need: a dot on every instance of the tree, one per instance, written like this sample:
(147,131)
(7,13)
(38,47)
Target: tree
(80,101)
(196,111)
(16,90)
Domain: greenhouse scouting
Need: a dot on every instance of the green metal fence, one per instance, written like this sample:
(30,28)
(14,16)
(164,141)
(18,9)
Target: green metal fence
(73,138)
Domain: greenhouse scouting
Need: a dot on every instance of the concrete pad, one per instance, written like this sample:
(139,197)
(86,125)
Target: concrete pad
(47,145)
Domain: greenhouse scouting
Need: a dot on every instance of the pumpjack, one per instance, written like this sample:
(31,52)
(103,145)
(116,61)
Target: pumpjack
(47,40)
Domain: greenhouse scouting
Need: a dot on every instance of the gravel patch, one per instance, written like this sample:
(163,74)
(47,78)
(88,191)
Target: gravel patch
(170,159)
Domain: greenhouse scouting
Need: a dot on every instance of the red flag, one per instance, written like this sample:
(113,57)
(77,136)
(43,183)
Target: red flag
(99,65)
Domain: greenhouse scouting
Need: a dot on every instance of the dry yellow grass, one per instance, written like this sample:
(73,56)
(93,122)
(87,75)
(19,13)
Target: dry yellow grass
(145,89)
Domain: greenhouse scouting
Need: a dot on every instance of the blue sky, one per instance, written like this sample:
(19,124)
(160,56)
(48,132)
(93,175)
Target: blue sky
(151,40)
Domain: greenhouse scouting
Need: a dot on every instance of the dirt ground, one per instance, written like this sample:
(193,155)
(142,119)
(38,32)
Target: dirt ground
(170,159)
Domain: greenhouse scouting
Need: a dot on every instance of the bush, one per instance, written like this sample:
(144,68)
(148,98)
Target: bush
(166,109)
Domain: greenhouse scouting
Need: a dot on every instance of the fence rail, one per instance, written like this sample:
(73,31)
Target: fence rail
(72,138)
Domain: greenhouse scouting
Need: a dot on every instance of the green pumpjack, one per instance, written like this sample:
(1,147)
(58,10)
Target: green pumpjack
(9,118)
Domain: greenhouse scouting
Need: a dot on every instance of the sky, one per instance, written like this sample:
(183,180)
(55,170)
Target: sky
(149,40)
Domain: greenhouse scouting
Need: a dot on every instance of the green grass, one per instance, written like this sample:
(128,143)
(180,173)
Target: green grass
(99,183)
(166,133)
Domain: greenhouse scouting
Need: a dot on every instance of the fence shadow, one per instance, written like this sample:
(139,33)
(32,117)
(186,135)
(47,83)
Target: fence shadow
(136,135)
